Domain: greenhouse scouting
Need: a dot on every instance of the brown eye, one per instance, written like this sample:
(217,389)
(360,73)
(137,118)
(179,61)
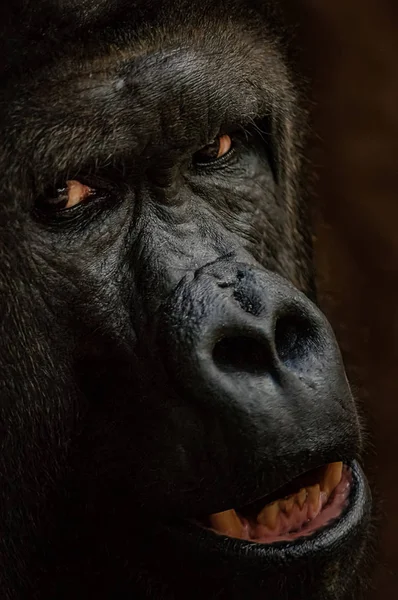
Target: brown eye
(214,151)
(71,195)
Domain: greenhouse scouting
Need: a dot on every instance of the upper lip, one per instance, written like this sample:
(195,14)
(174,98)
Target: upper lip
(256,486)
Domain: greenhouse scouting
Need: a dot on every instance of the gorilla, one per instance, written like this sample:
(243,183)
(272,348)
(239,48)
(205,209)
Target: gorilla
(176,422)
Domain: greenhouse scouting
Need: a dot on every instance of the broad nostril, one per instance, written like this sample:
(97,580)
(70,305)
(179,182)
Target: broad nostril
(242,354)
(295,338)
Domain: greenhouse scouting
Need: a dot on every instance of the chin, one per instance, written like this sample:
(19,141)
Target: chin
(306,540)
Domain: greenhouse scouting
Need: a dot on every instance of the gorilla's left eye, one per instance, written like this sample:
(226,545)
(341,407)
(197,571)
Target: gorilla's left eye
(217,149)
(63,198)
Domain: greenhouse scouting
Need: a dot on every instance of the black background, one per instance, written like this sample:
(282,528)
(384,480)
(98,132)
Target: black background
(351,55)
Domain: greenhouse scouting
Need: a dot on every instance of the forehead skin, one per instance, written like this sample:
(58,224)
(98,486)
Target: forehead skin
(174,93)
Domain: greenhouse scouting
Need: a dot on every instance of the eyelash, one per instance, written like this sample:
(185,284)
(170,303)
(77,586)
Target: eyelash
(219,162)
(240,139)
(43,211)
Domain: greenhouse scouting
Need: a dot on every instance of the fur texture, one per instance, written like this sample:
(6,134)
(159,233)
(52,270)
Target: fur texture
(112,426)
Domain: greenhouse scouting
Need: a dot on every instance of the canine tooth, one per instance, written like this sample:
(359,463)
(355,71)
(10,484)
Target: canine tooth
(313,495)
(227,523)
(301,497)
(289,503)
(332,477)
(269,515)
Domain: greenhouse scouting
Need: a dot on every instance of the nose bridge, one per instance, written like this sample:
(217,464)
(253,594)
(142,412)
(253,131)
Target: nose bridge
(225,298)
(245,295)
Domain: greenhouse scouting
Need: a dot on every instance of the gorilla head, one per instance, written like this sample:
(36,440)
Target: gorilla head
(175,418)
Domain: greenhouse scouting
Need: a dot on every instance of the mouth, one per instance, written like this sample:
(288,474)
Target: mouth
(299,509)
(245,550)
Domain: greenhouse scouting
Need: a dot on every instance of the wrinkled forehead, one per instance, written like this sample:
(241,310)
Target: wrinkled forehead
(37,32)
(197,62)
(156,77)
(202,58)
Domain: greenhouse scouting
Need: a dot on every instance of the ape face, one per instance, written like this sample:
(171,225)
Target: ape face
(177,421)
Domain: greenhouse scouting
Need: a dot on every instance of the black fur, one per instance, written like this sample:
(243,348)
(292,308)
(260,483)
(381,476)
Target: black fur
(117,421)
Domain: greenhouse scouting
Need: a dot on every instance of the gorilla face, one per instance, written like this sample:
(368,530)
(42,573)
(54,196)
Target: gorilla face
(176,418)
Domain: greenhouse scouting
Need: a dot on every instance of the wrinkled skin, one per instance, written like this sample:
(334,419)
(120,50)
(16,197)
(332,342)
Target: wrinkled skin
(160,356)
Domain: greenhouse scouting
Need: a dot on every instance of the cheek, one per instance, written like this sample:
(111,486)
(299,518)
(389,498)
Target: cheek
(253,214)
(83,281)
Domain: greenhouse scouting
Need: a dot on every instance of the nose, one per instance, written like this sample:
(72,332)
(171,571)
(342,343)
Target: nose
(245,322)
(247,342)
(265,325)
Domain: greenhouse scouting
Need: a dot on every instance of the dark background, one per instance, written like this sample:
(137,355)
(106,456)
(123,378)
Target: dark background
(351,54)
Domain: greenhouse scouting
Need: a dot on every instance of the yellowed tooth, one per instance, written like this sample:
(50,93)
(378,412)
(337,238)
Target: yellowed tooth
(313,495)
(227,523)
(269,515)
(332,477)
(301,497)
(289,503)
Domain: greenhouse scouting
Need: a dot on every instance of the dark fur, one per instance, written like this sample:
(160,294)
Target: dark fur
(104,422)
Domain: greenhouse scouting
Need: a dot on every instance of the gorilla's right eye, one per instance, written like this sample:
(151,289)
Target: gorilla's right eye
(66,197)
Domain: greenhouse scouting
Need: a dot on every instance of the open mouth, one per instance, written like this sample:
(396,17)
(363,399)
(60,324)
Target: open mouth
(298,509)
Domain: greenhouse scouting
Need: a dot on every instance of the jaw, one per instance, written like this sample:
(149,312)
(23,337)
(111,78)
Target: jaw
(141,556)
(167,557)
(316,565)
(169,551)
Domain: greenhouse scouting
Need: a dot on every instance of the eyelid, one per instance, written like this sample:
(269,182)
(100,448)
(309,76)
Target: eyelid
(92,175)
(215,164)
